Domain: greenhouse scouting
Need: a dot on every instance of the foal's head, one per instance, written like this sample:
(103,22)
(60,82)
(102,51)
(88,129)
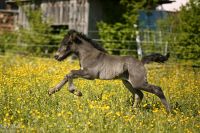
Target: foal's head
(70,44)
(67,45)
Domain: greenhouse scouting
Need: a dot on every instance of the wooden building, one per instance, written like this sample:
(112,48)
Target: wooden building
(73,13)
(81,15)
(70,13)
(8,16)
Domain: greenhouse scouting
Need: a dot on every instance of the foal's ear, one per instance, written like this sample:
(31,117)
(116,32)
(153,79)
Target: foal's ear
(75,38)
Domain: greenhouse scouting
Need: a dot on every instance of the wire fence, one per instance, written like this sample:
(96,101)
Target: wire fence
(160,45)
(149,31)
(126,32)
(57,45)
(168,64)
(116,42)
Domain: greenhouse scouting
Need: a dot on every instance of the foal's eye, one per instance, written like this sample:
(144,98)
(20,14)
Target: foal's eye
(67,48)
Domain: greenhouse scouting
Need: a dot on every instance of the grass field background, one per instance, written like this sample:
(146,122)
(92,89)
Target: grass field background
(105,106)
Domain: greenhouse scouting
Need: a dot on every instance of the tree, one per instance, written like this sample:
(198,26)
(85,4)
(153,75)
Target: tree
(185,27)
(188,46)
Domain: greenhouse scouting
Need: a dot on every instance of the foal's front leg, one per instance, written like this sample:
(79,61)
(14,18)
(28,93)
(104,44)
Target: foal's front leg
(58,86)
(72,75)
(69,78)
(77,74)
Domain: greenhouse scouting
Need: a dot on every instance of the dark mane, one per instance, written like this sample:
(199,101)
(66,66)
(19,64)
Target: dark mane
(93,43)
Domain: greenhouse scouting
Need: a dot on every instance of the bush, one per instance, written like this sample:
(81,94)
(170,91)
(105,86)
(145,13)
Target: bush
(117,37)
(185,41)
(7,41)
(38,35)
(121,35)
(37,39)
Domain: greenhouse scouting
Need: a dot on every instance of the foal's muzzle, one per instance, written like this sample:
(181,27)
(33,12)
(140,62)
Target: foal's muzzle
(57,57)
(60,57)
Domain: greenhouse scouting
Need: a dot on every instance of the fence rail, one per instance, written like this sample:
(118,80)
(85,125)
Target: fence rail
(169,64)
(56,46)
(160,45)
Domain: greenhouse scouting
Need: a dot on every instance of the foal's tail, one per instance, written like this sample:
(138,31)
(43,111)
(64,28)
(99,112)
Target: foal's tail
(155,58)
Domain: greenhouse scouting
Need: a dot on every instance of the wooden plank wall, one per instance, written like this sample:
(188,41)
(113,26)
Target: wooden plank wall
(79,15)
(56,12)
(23,20)
(73,13)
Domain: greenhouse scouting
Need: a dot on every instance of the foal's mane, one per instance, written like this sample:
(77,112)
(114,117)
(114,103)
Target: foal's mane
(93,43)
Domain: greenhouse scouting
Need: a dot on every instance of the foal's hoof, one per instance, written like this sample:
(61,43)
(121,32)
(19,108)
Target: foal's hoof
(78,93)
(50,92)
(168,110)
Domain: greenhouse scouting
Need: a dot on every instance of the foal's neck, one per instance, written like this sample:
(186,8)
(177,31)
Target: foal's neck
(86,52)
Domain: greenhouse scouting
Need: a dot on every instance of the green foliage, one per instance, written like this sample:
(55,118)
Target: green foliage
(185,41)
(189,41)
(184,29)
(122,34)
(37,38)
(6,41)
(113,11)
(132,8)
(38,33)
(116,37)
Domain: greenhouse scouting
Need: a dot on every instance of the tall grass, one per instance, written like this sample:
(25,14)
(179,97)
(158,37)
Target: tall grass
(106,106)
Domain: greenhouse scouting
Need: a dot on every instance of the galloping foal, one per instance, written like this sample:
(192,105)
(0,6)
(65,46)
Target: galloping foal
(96,63)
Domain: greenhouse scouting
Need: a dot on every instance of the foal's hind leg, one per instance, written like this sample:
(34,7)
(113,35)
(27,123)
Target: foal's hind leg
(138,94)
(158,92)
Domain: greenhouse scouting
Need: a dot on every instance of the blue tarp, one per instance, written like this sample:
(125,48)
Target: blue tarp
(148,19)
